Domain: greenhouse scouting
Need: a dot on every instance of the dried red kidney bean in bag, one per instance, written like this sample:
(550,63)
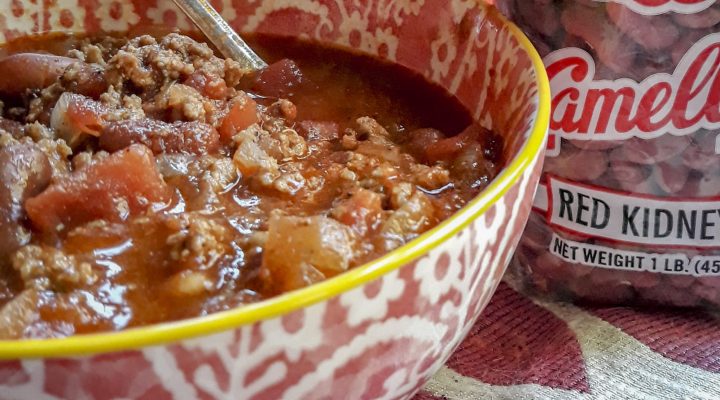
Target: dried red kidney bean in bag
(629,206)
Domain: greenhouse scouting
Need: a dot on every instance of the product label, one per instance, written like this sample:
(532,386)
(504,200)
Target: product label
(611,258)
(679,103)
(630,218)
(655,7)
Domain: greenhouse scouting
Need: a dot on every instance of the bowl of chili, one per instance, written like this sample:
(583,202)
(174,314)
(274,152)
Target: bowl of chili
(330,227)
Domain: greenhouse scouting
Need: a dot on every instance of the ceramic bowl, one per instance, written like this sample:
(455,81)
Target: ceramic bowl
(379,331)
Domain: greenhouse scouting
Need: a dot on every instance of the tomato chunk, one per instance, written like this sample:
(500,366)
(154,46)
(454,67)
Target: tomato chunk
(361,212)
(124,184)
(75,116)
(242,114)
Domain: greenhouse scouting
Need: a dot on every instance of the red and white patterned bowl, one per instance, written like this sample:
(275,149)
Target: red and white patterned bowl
(378,331)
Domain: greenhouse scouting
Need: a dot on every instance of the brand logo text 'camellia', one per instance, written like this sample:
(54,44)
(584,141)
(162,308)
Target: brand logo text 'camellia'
(679,103)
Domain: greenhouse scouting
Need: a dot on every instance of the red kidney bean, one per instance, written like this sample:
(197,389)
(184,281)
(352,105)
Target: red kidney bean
(595,144)
(22,71)
(630,176)
(537,234)
(651,64)
(577,237)
(571,40)
(681,281)
(578,165)
(507,8)
(707,293)
(704,19)
(545,23)
(602,276)
(179,137)
(701,158)
(579,271)
(711,281)
(541,45)
(653,151)
(590,3)
(652,33)
(640,279)
(708,186)
(686,41)
(671,176)
(664,295)
(628,172)
(691,186)
(550,266)
(612,49)
(609,293)
(602,72)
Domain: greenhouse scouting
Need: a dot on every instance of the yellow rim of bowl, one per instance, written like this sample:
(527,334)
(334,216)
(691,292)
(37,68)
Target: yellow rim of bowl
(218,322)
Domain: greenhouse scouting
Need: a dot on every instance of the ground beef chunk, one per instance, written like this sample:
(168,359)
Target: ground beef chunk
(289,183)
(430,178)
(414,214)
(252,160)
(46,268)
(218,173)
(292,145)
(149,65)
(37,132)
(182,103)
(199,242)
(122,107)
(87,158)
(283,108)
(18,314)
(370,129)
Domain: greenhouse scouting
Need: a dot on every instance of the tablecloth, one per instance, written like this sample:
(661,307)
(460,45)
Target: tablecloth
(523,347)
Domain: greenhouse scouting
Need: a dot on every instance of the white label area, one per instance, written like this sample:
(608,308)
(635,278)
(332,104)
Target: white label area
(611,258)
(626,218)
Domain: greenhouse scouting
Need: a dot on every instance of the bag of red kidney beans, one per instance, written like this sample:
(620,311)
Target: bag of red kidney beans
(628,211)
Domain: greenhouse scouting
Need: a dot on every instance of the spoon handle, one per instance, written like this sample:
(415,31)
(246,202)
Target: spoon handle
(220,33)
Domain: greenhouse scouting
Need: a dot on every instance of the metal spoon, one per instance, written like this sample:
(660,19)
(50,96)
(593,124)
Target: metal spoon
(217,30)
